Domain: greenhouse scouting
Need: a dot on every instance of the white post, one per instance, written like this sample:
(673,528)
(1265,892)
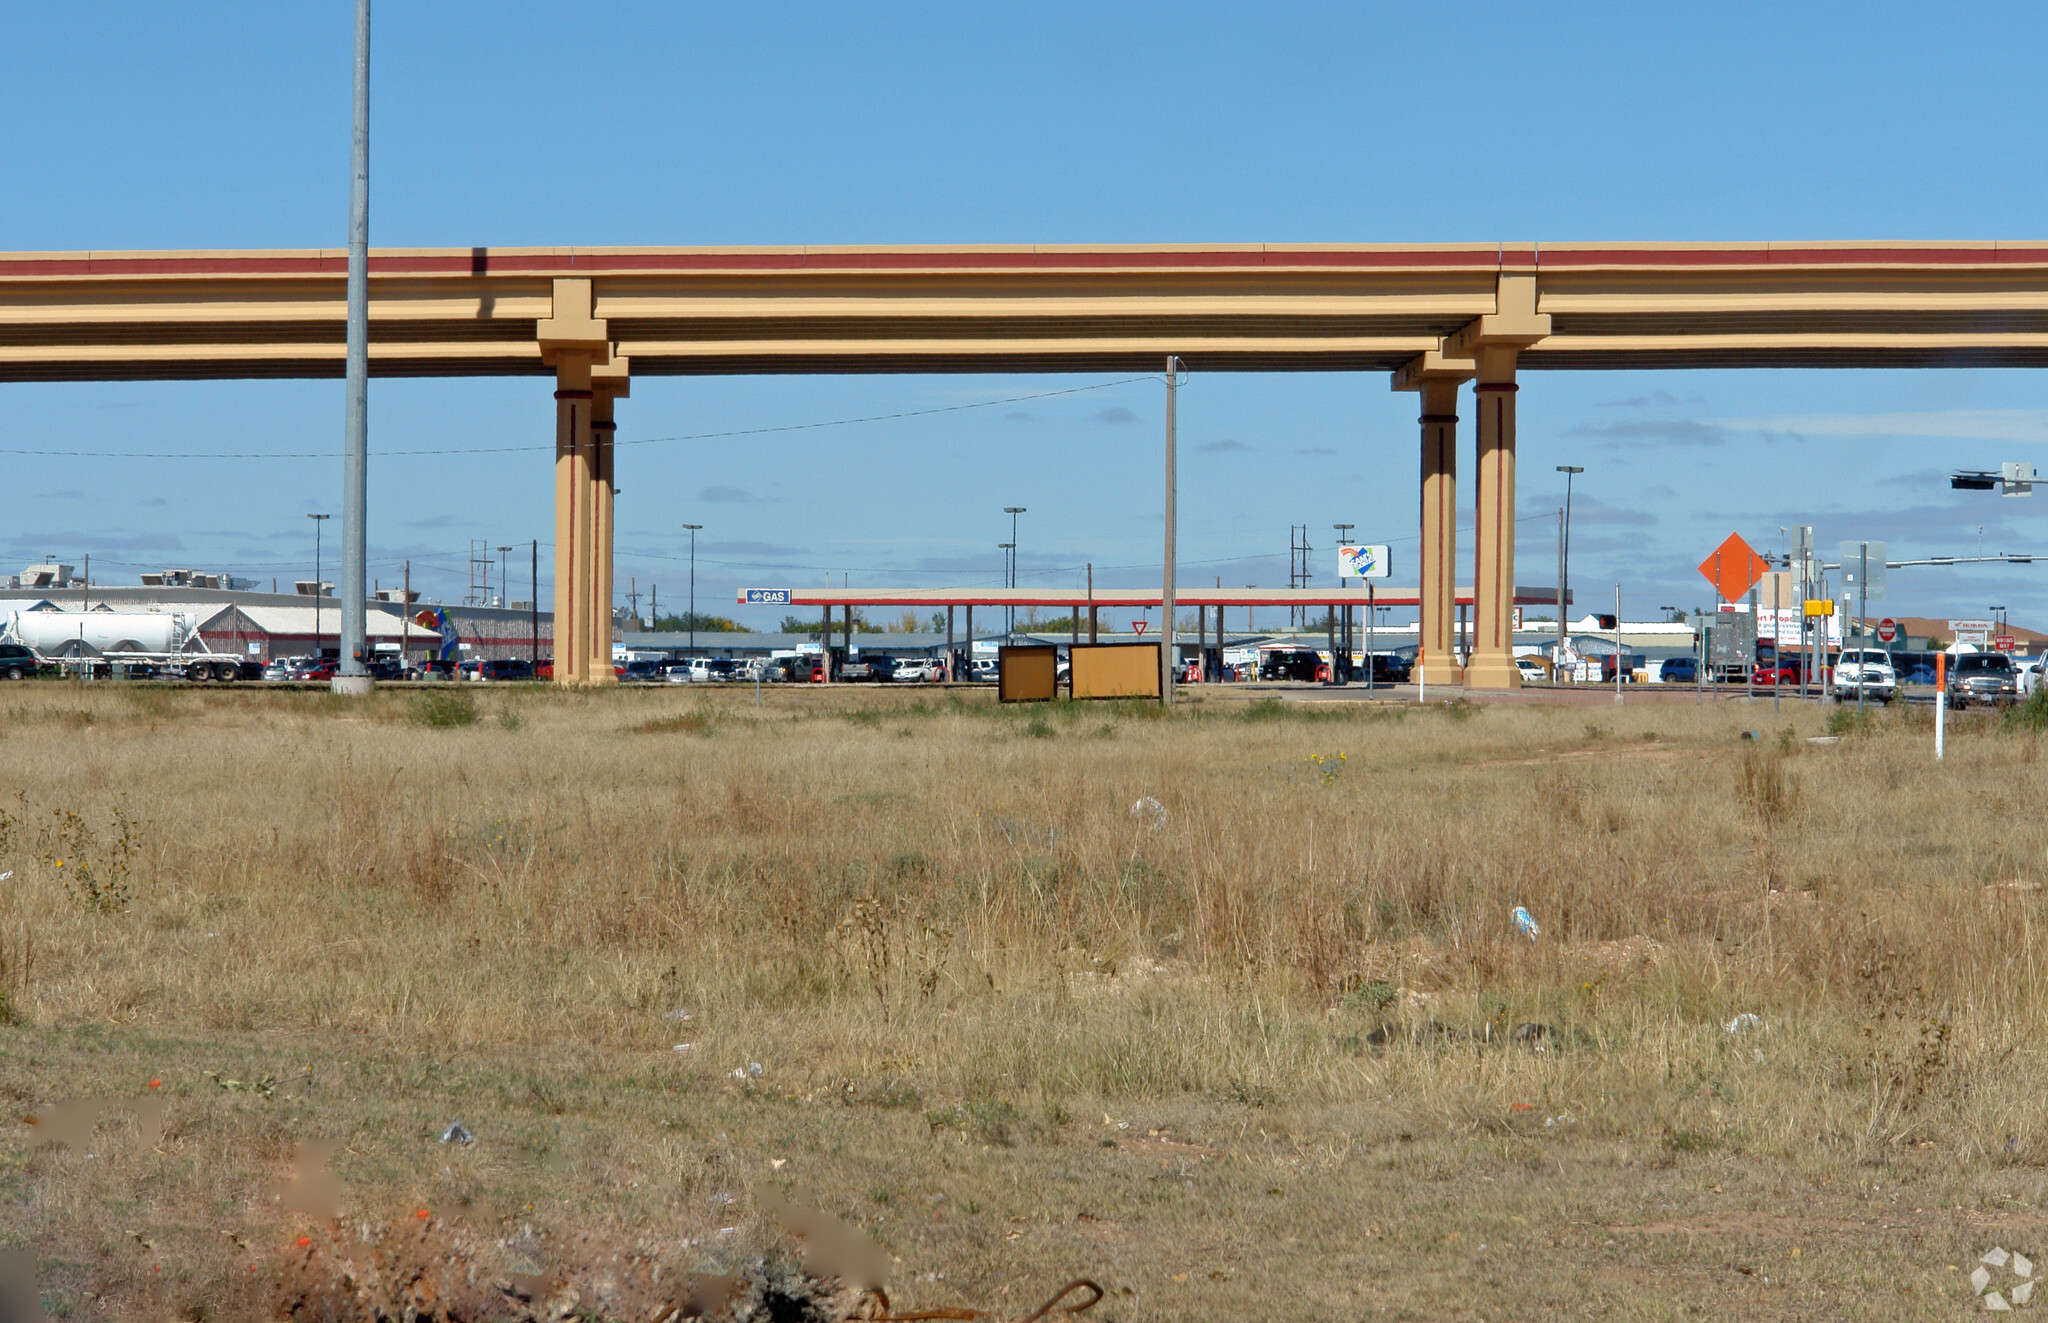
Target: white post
(1940,720)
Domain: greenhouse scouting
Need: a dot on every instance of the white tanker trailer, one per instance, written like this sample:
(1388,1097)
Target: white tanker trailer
(161,640)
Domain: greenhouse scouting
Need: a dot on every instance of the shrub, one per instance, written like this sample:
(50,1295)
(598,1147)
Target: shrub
(443,708)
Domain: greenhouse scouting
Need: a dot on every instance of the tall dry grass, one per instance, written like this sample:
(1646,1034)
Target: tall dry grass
(875,886)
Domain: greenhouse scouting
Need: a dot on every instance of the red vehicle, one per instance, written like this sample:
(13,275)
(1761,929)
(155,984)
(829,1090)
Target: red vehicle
(545,670)
(324,669)
(1781,671)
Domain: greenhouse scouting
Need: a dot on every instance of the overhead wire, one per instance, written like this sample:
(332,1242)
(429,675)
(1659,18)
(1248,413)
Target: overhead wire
(623,441)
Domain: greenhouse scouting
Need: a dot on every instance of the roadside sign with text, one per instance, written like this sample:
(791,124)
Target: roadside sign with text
(2005,643)
(1887,630)
(1972,631)
(764,597)
(1733,567)
(1363,562)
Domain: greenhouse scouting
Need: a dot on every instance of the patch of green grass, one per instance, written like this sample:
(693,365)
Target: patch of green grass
(443,709)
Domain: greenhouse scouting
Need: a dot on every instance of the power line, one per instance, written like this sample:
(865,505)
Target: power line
(635,441)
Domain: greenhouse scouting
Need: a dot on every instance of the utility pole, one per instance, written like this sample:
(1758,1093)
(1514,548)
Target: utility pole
(405,615)
(1166,598)
(533,611)
(1342,675)
(1564,559)
(633,596)
(693,584)
(318,520)
(504,579)
(1013,511)
(353,677)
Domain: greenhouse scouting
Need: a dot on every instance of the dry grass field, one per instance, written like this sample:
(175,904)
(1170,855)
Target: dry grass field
(915,960)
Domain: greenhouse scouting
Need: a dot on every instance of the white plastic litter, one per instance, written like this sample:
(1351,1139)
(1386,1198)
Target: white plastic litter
(684,1047)
(457,1133)
(1150,812)
(1524,923)
(1744,1023)
(4,876)
(677,1015)
(750,1071)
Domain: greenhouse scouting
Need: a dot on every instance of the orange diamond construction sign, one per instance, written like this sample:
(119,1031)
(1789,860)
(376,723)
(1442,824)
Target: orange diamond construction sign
(1734,568)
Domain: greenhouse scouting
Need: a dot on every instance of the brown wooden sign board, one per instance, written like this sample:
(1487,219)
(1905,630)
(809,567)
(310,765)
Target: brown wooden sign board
(1113,670)
(1027,673)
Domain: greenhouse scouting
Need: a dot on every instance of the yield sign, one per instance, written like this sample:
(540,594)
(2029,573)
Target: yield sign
(1733,568)
(1138,626)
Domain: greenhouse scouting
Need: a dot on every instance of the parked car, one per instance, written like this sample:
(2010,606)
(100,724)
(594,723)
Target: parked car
(1982,677)
(18,662)
(324,669)
(1533,671)
(1869,667)
(1783,671)
(1392,668)
(643,671)
(1679,670)
(1290,664)
(983,670)
(2028,669)
(914,670)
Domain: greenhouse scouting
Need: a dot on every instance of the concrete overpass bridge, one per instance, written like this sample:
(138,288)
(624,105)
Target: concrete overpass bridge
(1433,316)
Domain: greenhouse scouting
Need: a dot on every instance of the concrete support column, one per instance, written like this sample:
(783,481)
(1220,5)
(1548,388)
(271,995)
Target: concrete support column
(1492,344)
(608,384)
(1436,377)
(573,342)
(575,548)
(1493,533)
(1438,561)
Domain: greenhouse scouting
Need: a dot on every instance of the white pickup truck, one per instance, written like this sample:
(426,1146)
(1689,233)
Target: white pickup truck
(1870,668)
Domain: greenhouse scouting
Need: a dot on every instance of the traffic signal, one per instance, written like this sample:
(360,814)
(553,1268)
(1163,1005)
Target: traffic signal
(1607,622)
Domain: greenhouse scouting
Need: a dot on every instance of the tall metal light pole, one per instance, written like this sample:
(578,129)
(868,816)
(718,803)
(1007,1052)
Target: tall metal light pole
(318,520)
(1009,619)
(693,584)
(352,676)
(1013,511)
(1564,562)
(504,579)
(1343,675)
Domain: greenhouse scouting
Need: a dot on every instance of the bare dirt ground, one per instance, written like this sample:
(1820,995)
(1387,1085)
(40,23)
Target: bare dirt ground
(1255,1055)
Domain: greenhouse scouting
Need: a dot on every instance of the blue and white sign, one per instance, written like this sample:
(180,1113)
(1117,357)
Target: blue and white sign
(1363,562)
(765,597)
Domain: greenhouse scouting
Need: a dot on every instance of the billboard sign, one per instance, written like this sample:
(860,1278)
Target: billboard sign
(765,597)
(1363,562)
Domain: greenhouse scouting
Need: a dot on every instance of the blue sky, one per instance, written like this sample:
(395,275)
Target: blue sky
(227,126)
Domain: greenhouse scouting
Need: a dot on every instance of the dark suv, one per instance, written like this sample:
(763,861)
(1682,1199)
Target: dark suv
(1290,664)
(20,663)
(1983,677)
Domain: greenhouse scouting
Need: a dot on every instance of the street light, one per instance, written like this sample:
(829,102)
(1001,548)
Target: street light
(1013,511)
(317,519)
(693,583)
(1344,539)
(1564,561)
